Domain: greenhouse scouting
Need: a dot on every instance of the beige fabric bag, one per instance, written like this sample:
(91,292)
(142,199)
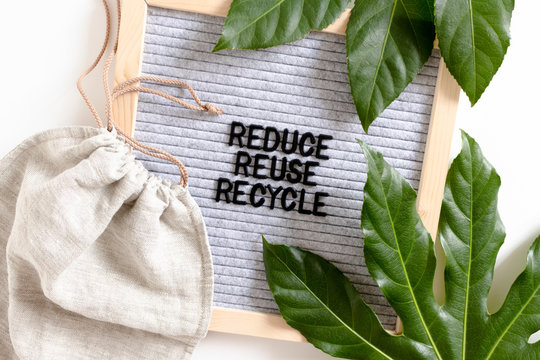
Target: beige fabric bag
(99,259)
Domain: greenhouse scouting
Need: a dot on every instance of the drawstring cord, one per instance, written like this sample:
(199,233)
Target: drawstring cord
(129,86)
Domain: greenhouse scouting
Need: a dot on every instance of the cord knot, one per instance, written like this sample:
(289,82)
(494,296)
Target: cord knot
(212,109)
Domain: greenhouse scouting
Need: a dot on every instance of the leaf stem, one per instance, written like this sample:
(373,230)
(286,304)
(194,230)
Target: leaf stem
(466,312)
(473,47)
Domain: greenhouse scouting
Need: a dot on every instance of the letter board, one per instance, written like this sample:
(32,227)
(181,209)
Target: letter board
(282,160)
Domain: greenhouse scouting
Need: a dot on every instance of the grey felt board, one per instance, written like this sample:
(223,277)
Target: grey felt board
(300,86)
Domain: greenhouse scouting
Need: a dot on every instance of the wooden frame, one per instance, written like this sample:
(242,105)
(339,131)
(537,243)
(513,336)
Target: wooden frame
(434,168)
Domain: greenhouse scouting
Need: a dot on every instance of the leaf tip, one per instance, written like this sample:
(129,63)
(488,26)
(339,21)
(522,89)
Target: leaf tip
(464,134)
(472,151)
(220,45)
(473,98)
(366,149)
(533,253)
(365,125)
(266,244)
(466,139)
(536,243)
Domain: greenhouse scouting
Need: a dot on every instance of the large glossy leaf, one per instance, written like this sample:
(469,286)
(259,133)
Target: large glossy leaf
(399,256)
(253,24)
(316,298)
(473,38)
(388,42)
(398,249)
(471,233)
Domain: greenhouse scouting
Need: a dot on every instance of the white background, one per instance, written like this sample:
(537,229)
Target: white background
(45,45)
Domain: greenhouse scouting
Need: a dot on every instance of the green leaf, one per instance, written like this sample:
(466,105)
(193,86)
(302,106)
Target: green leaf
(473,38)
(398,249)
(519,316)
(253,24)
(471,234)
(388,42)
(317,299)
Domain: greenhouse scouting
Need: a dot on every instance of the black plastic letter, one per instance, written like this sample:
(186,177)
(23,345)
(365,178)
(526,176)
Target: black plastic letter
(237,192)
(252,136)
(321,147)
(308,173)
(254,189)
(258,166)
(242,164)
(284,199)
(317,203)
(235,134)
(302,143)
(266,144)
(220,189)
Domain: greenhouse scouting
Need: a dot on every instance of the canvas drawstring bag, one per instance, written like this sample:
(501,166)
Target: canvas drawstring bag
(99,259)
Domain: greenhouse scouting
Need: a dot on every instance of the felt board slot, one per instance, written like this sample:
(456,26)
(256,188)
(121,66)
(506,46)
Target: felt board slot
(300,86)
